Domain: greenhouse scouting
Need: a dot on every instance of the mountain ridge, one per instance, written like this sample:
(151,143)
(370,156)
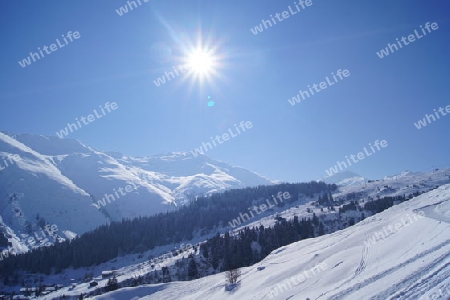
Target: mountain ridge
(60,181)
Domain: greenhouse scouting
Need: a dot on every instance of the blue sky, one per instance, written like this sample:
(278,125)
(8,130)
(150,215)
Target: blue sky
(117,58)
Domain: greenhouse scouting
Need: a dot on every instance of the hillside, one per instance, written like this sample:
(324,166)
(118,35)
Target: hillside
(408,262)
(343,243)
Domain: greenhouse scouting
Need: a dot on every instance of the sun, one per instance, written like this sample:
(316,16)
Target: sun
(201,62)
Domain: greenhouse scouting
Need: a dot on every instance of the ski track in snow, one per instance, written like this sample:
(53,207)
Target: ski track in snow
(411,291)
(362,264)
(419,273)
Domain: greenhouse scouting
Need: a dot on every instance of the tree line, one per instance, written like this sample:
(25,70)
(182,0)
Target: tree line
(201,216)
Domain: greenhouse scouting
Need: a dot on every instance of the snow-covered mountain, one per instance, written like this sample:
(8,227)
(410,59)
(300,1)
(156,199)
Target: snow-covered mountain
(62,182)
(401,253)
(65,183)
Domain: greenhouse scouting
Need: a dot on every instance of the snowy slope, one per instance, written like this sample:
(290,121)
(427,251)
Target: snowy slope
(367,261)
(34,185)
(404,183)
(345,178)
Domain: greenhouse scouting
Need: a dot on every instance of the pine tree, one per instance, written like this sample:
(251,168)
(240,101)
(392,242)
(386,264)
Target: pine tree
(192,269)
(112,284)
(321,230)
(315,219)
(166,274)
(351,222)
